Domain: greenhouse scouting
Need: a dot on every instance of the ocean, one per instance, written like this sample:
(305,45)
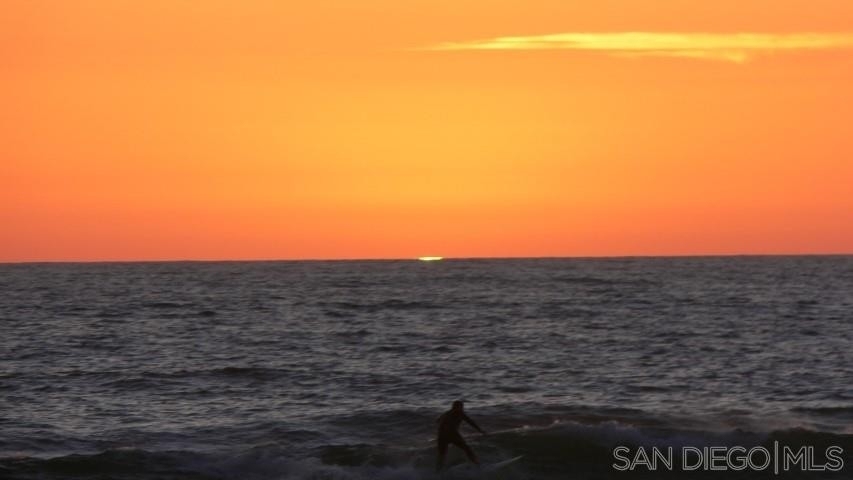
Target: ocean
(338,370)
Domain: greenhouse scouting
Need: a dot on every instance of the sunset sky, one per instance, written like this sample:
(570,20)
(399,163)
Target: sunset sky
(261,129)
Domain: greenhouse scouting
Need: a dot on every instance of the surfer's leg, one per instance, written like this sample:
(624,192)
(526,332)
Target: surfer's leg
(460,442)
(442,452)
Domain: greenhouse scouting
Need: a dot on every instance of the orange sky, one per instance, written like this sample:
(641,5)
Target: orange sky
(260,129)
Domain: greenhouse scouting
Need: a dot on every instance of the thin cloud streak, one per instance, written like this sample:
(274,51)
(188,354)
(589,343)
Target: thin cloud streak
(732,47)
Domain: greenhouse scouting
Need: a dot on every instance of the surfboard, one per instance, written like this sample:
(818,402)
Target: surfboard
(491,467)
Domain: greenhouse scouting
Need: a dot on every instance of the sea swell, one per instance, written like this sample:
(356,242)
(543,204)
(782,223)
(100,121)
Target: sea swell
(553,448)
(325,370)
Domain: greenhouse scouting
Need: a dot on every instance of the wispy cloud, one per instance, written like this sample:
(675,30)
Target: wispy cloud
(733,47)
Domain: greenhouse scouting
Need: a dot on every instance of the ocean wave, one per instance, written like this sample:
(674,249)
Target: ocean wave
(373,307)
(846,410)
(610,281)
(560,449)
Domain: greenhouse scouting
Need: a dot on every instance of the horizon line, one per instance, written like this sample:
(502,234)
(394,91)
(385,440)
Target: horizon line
(415,258)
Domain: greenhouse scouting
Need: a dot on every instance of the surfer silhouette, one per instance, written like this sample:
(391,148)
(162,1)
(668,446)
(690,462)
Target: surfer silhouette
(448,433)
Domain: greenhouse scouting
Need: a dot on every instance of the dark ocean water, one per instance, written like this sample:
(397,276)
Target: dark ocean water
(337,370)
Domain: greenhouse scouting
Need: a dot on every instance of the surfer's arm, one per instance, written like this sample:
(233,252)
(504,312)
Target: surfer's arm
(471,422)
